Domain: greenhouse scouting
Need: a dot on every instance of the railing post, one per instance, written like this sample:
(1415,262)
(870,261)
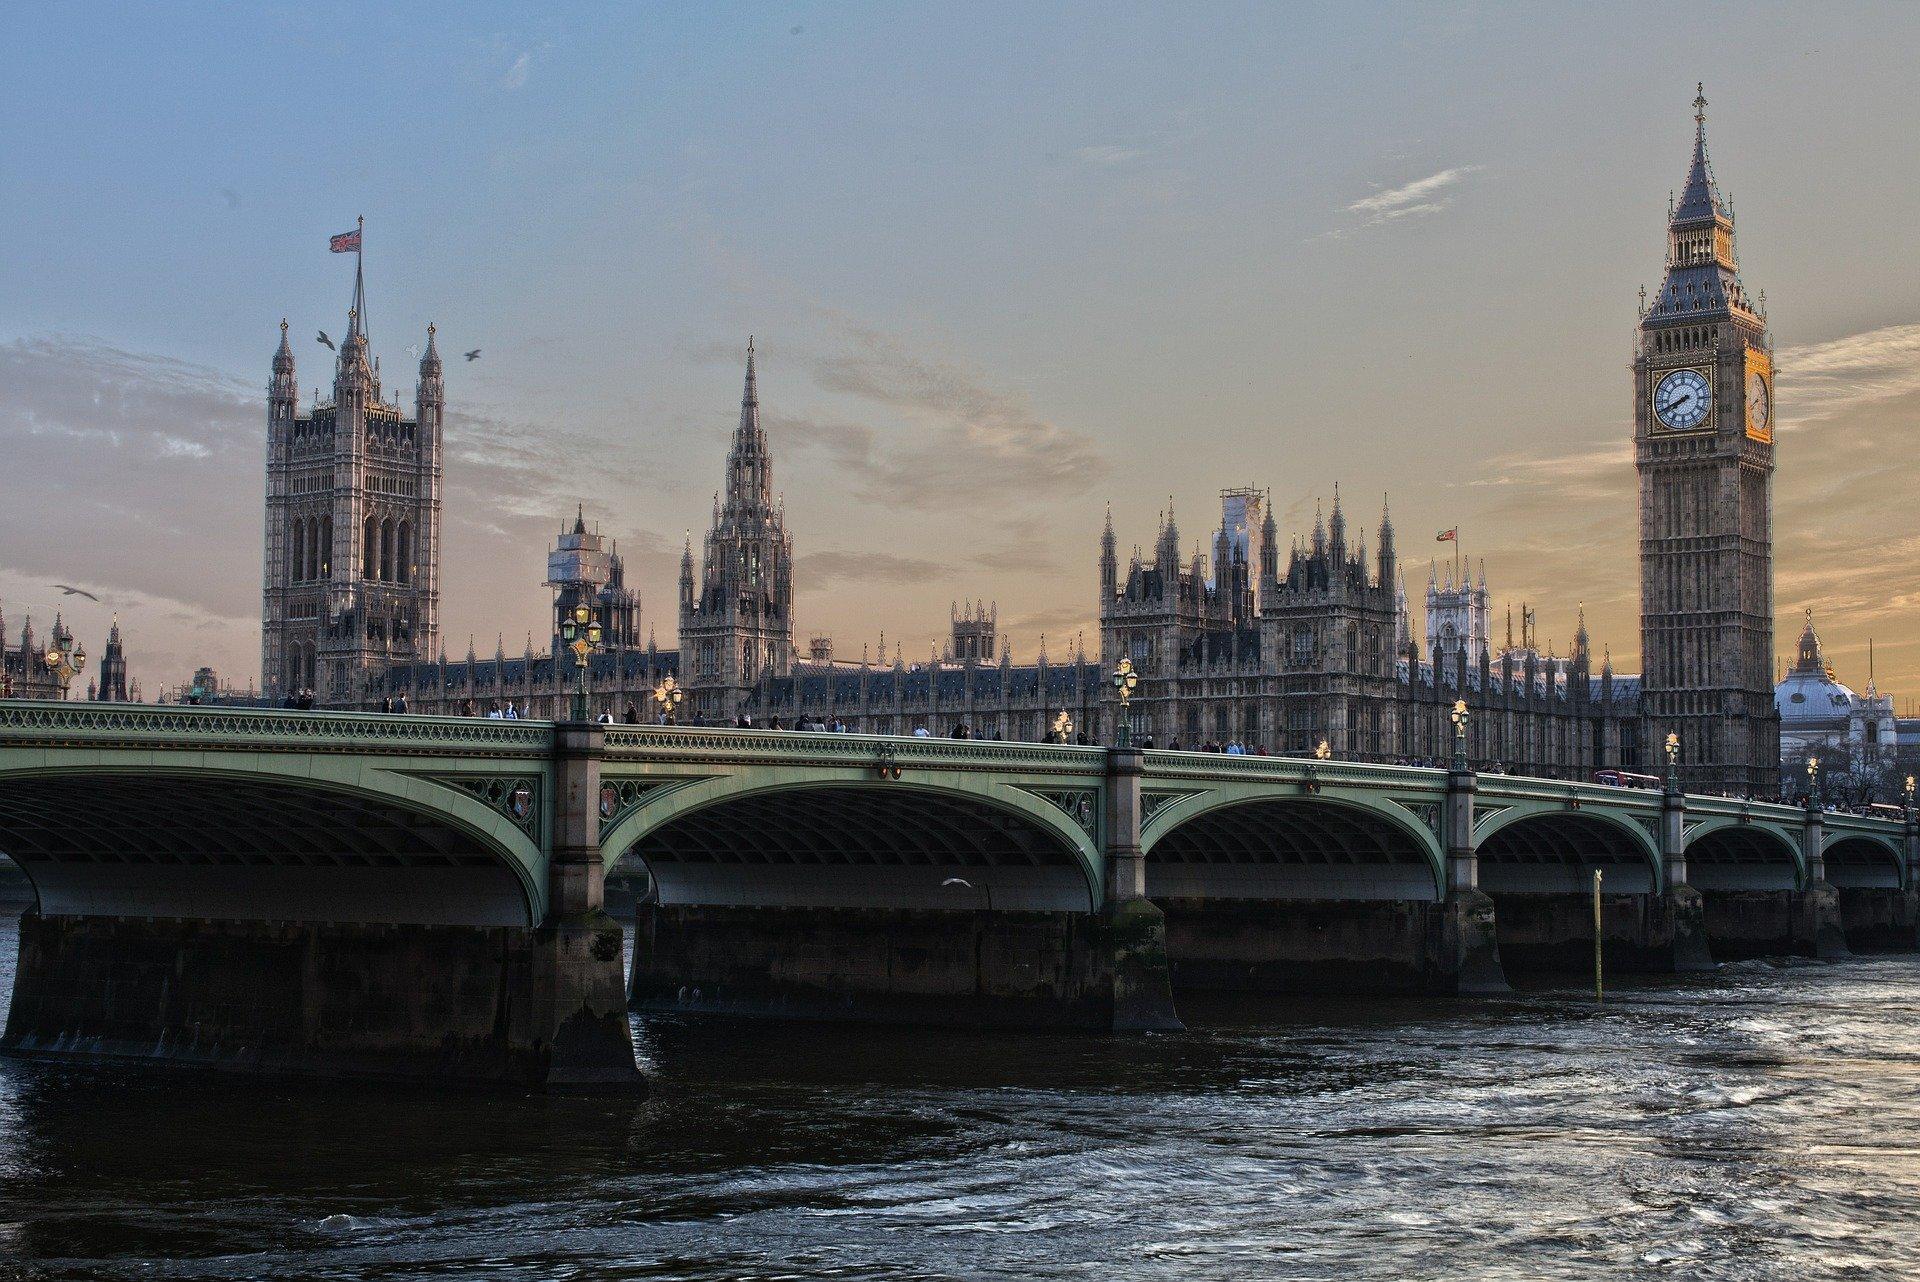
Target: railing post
(1679,915)
(1126,867)
(1820,929)
(1463,861)
(1470,951)
(1673,836)
(576,882)
(1812,839)
(1133,927)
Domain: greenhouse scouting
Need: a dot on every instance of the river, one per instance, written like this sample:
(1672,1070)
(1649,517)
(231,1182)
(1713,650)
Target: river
(1760,1123)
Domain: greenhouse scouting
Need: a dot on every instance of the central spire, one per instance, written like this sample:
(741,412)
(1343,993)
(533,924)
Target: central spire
(1700,198)
(749,470)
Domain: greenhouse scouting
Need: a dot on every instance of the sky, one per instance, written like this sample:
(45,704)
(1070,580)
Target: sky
(1003,265)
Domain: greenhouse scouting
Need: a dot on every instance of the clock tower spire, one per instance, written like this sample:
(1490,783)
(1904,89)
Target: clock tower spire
(1703,446)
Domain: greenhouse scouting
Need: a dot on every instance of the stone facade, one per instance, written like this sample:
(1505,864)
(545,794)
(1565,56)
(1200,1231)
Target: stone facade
(351,584)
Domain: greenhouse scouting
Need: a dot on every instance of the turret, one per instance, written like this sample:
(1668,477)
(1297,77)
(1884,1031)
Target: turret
(284,387)
(1269,550)
(1337,533)
(1389,571)
(686,577)
(1109,562)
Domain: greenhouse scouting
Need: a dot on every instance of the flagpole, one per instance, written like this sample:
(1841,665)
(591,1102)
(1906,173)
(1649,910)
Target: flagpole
(359,267)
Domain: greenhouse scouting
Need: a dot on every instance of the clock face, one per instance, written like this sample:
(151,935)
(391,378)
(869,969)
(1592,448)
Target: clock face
(1682,399)
(1759,403)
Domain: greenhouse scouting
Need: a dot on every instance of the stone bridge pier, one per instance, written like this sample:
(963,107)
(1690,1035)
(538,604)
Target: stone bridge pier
(327,895)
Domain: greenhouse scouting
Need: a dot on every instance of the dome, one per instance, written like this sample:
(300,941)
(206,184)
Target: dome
(1808,697)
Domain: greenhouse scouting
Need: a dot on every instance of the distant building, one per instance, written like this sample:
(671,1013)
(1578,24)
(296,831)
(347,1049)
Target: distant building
(1856,736)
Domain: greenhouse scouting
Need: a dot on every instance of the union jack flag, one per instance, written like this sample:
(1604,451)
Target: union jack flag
(1448,536)
(347,242)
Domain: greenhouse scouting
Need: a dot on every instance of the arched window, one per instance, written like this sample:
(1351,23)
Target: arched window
(325,566)
(386,550)
(370,550)
(403,553)
(296,551)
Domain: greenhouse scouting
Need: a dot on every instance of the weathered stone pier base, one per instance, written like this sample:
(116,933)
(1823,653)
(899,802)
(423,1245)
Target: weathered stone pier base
(1776,923)
(1880,919)
(1004,969)
(1321,946)
(1640,933)
(503,1006)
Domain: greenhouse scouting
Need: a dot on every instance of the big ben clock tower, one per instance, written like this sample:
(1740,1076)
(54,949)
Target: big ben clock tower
(1703,445)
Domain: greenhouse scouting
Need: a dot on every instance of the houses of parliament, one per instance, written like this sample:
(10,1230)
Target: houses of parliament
(1280,649)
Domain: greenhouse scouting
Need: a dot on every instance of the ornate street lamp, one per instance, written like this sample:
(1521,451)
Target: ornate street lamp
(1063,728)
(1673,762)
(1459,717)
(581,632)
(64,660)
(1323,750)
(1813,783)
(668,695)
(1909,791)
(1125,682)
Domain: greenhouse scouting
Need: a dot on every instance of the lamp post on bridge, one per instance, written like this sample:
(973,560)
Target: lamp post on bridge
(1459,717)
(581,632)
(1813,783)
(1125,682)
(64,660)
(1673,762)
(669,696)
(1063,728)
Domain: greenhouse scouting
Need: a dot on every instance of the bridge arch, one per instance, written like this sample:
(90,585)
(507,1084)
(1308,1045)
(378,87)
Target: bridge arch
(1856,861)
(289,838)
(857,842)
(1731,854)
(1252,844)
(1556,850)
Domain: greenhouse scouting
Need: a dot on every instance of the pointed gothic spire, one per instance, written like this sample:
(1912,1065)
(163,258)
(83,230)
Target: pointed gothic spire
(430,359)
(1700,197)
(283,356)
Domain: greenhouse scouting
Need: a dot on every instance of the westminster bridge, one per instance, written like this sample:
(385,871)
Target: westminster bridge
(422,897)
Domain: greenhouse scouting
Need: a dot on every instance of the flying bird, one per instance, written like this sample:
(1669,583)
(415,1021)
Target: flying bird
(474,355)
(413,350)
(327,342)
(73,591)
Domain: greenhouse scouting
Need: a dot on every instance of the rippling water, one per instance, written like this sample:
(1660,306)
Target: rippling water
(1763,1123)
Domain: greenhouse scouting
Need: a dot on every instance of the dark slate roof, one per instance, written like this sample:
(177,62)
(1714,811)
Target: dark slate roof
(1700,198)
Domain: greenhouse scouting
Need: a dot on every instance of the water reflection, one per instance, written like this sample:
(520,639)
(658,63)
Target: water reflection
(1759,1123)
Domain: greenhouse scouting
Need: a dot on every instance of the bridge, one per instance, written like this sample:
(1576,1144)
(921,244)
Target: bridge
(423,897)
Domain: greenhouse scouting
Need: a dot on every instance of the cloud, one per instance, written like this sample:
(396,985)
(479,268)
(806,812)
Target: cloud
(1421,198)
(817,571)
(516,75)
(1820,381)
(1107,155)
(959,441)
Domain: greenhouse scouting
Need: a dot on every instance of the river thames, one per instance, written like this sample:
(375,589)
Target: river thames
(1760,1123)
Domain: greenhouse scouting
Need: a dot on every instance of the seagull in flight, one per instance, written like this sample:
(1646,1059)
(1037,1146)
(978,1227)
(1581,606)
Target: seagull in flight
(73,591)
(474,355)
(327,342)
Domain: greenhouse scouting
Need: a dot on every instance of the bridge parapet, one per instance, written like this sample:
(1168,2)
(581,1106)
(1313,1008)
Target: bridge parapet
(57,724)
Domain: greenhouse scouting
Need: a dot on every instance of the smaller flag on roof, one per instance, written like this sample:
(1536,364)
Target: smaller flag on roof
(347,242)
(1448,536)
